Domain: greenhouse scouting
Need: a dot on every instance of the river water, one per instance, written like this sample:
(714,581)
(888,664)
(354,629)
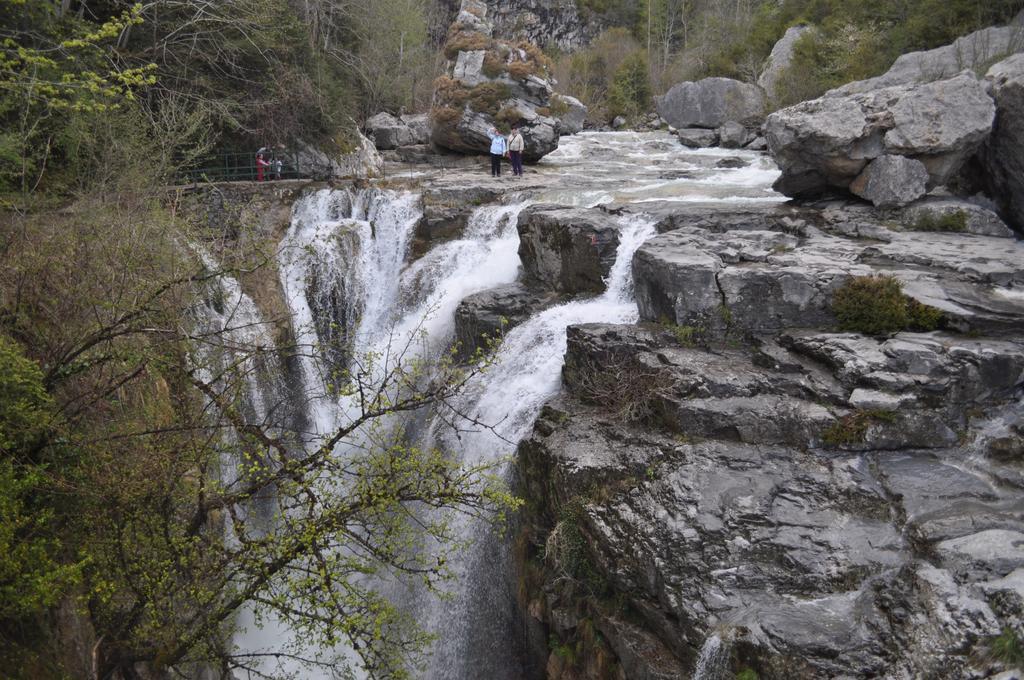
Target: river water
(353,289)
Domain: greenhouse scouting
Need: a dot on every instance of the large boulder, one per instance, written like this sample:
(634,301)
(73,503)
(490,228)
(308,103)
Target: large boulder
(362,161)
(567,250)
(492,84)
(827,142)
(711,103)
(1003,155)
(389,132)
(972,52)
(779,61)
(570,112)
(892,181)
(419,127)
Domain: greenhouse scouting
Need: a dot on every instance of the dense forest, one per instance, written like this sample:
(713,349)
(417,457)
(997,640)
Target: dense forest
(115,407)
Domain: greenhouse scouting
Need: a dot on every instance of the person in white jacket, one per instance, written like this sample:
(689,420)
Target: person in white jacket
(516,144)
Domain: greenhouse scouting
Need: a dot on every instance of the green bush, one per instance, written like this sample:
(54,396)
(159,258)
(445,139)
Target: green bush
(955,221)
(630,92)
(852,429)
(1007,648)
(876,305)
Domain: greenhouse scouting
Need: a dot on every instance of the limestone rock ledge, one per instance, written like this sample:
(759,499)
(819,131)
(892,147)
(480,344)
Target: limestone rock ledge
(727,508)
(735,474)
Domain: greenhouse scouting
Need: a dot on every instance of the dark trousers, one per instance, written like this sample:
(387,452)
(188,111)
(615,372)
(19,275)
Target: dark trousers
(495,165)
(517,162)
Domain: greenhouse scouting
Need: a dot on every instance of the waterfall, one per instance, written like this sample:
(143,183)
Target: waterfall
(527,370)
(352,292)
(480,626)
(713,661)
(340,265)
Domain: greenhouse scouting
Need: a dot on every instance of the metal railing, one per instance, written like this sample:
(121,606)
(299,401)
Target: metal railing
(238,166)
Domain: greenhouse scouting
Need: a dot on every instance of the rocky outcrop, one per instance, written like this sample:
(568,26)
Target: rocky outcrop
(1003,155)
(491,83)
(570,112)
(779,61)
(826,143)
(775,505)
(892,181)
(391,132)
(558,23)
(567,250)
(760,281)
(974,52)
(482,318)
(944,213)
(711,103)
(362,161)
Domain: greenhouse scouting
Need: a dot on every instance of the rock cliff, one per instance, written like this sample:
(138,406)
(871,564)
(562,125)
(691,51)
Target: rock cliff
(492,83)
(736,484)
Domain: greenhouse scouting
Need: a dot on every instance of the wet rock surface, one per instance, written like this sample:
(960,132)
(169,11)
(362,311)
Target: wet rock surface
(567,250)
(733,469)
(482,318)
(1003,155)
(771,270)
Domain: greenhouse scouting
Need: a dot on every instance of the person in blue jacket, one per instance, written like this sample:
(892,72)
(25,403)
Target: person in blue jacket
(498,149)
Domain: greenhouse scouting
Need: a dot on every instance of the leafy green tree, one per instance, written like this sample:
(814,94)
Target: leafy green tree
(630,92)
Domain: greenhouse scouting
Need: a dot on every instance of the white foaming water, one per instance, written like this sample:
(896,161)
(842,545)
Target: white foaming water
(713,662)
(343,255)
(527,371)
(350,291)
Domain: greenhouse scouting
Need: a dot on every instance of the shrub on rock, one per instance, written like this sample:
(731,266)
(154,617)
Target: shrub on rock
(876,305)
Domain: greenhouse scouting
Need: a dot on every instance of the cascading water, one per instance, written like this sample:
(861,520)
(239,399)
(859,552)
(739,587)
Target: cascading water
(480,631)
(351,292)
(713,661)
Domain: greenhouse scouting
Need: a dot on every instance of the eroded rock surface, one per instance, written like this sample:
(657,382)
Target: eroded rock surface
(725,511)
(567,250)
(827,142)
(711,103)
(735,474)
(1004,152)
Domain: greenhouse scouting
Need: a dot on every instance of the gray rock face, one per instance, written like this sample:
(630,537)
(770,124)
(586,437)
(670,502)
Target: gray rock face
(567,250)
(864,561)
(974,52)
(419,127)
(937,210)
(482,318)
(572,121)
(1003,155)
(892,181)
(363,162)
(697,138)
(776,271)
(457,126)
(468,68)
(779,60)
(827,142)
(711,103)
(733,136)
(558,23)
(389,132)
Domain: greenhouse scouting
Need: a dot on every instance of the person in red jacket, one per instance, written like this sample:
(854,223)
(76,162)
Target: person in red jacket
(261,163)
